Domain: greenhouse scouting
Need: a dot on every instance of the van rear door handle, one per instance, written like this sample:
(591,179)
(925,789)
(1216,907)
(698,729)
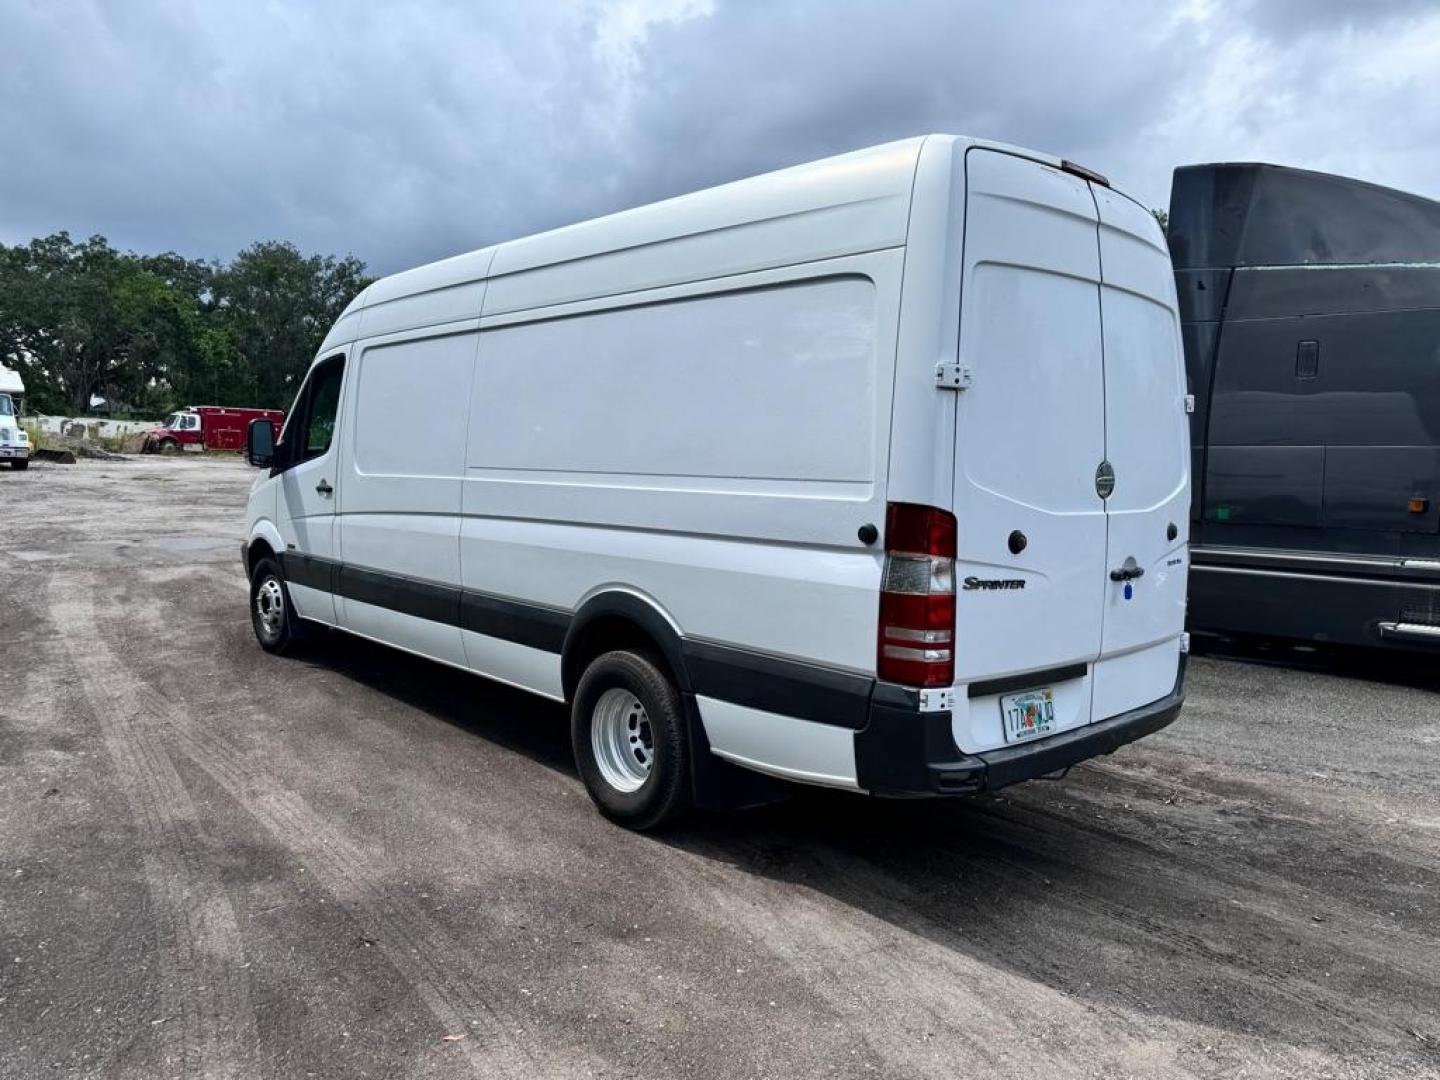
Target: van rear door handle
(1127,573)
(324,488)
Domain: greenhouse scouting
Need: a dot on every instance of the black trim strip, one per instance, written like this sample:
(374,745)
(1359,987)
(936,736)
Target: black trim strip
(311,571)
(513,620)
(407,595)
(1414,569)
(739,676)
(1026,680)
(772,684)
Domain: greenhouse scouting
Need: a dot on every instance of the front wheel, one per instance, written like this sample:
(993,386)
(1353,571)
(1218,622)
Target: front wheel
(19,463)
(169,446)
(272,616)
(627,730)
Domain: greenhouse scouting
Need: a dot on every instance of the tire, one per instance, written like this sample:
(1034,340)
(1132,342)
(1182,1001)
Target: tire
(19,464)
(637,781)
(272,615)
(169,446)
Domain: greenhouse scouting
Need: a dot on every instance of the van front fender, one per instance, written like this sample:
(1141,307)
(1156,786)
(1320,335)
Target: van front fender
(264,531)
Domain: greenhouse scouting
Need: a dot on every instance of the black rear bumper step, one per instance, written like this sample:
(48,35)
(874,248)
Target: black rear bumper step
(904,753)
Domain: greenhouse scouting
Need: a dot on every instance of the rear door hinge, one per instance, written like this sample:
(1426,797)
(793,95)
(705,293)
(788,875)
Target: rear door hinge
(1189,403)
(953,376)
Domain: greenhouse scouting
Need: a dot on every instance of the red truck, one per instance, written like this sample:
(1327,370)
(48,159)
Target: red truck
(206,427)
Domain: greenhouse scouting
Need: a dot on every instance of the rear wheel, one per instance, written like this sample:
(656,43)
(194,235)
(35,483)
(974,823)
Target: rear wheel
(272,615)
(627,731)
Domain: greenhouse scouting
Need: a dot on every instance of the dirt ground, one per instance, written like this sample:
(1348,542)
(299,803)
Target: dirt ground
(214,862)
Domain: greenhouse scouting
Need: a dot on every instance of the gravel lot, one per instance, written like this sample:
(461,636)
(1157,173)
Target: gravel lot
(214,862)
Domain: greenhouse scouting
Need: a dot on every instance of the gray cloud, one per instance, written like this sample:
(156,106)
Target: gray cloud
(415,130)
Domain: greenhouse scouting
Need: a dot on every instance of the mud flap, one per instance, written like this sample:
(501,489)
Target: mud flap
(717,784)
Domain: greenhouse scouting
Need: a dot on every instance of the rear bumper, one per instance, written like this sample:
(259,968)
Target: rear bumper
(904,752)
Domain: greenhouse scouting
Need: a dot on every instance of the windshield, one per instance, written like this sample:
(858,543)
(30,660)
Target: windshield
(173,421)
(7,407)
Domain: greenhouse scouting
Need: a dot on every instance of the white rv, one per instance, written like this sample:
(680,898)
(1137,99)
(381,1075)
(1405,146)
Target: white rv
(871,473)
(14,442)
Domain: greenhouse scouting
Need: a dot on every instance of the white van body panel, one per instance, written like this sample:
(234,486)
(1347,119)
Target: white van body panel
(848,204)
(700,406)
(1144,392)
(783,746)
(514,664)
(1031,432)
(305,517)
(401,470)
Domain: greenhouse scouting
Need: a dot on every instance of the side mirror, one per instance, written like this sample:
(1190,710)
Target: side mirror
(260,443)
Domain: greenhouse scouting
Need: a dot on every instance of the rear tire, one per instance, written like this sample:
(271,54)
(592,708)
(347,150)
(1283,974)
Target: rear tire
(272,615)
(627,728)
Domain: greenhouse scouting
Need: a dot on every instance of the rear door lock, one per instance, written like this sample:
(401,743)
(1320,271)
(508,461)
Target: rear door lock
(1127,574)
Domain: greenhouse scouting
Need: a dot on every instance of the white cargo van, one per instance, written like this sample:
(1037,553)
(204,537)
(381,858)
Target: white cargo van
(870,473)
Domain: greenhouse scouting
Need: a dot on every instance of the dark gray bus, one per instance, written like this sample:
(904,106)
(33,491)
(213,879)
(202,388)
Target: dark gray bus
(1310,306)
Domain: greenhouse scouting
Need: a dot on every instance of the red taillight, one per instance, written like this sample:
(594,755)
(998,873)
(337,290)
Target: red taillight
(917,597)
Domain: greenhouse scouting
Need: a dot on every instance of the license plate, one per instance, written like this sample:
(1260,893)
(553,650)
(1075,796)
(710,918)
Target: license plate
(1028,715)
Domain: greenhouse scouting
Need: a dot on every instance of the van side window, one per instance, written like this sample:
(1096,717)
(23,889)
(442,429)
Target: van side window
(324,404)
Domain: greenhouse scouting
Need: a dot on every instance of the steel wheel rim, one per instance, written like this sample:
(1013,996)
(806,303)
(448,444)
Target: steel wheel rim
(270,607)
(622,739)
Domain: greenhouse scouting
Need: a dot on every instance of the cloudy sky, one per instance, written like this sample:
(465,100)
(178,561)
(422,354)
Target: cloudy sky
(407,131)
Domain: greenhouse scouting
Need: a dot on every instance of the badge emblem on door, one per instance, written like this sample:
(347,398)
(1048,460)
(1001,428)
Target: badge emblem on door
(1104,480)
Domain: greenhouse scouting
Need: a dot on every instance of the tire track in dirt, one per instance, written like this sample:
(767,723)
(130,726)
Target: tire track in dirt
(1287,904)
(902,987)
(443,974)
(904,970)
(207,1022)
(877,923)
(924,1006)
(1268,910)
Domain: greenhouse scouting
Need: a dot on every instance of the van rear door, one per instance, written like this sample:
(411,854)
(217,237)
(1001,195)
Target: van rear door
(1030,434)
(1147,447)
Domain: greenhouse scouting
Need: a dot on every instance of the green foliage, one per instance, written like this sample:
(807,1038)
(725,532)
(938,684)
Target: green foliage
(155,333)
(1163,217)
(38,438)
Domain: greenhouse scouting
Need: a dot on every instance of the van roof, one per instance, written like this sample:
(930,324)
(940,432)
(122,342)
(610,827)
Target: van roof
(868,190)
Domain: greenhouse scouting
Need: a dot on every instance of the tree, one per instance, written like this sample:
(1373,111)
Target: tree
(160,331)
(276,305)
(69,315)
(1163,217)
